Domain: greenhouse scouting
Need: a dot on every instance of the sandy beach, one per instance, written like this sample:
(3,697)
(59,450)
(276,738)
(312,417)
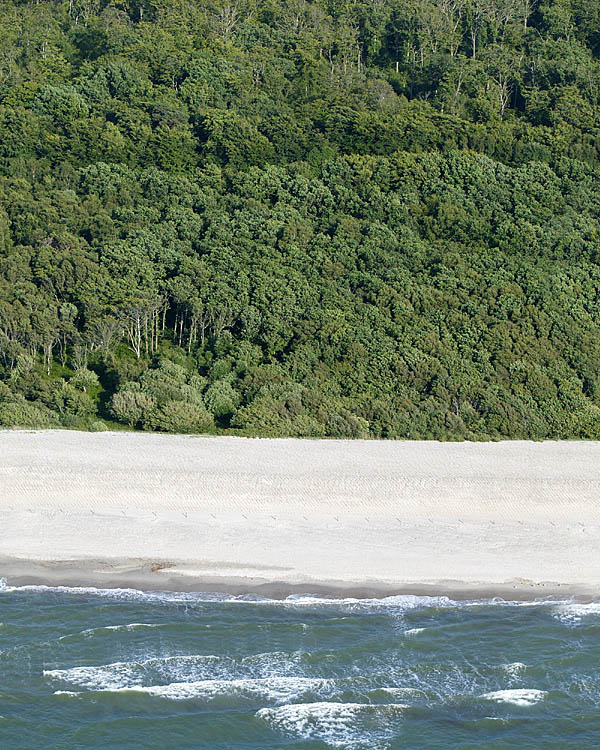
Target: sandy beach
(362,518)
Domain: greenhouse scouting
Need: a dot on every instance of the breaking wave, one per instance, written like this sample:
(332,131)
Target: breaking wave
(347,725)
(518,697)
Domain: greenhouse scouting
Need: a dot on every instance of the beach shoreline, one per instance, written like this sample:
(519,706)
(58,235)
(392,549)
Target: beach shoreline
(145,576)
(517,520)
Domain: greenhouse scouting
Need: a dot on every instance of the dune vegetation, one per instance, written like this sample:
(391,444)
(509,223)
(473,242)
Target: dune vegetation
(294,218)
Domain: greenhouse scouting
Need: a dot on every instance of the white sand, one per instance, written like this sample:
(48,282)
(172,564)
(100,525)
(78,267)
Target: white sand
(160,511)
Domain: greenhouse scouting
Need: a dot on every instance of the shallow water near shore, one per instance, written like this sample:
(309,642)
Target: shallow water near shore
(91,669)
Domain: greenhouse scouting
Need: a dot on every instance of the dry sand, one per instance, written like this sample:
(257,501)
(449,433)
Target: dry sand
(516,519)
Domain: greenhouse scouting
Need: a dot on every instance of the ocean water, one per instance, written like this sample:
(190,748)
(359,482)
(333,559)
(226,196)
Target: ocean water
(90,669)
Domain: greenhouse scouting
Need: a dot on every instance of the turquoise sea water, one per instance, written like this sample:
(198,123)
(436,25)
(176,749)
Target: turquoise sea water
(83,669)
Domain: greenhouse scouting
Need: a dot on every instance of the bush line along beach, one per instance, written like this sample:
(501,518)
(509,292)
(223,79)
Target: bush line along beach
(300,219)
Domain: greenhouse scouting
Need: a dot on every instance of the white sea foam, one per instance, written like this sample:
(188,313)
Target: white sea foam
(131,674)
(519,697)
(120,594)
(414,631)
(276,663)
(132,626)
(109,676)
(295,600)
(272,689)
(185,668)
(574,612)
(514,669)
(346,725)
(91,632)
(403,692)
(403,602)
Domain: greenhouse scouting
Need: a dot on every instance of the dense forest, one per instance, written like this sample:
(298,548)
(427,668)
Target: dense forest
(377,218)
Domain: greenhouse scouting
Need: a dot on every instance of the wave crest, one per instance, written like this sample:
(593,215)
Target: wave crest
(518,697)
(347,725)
(271,689)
